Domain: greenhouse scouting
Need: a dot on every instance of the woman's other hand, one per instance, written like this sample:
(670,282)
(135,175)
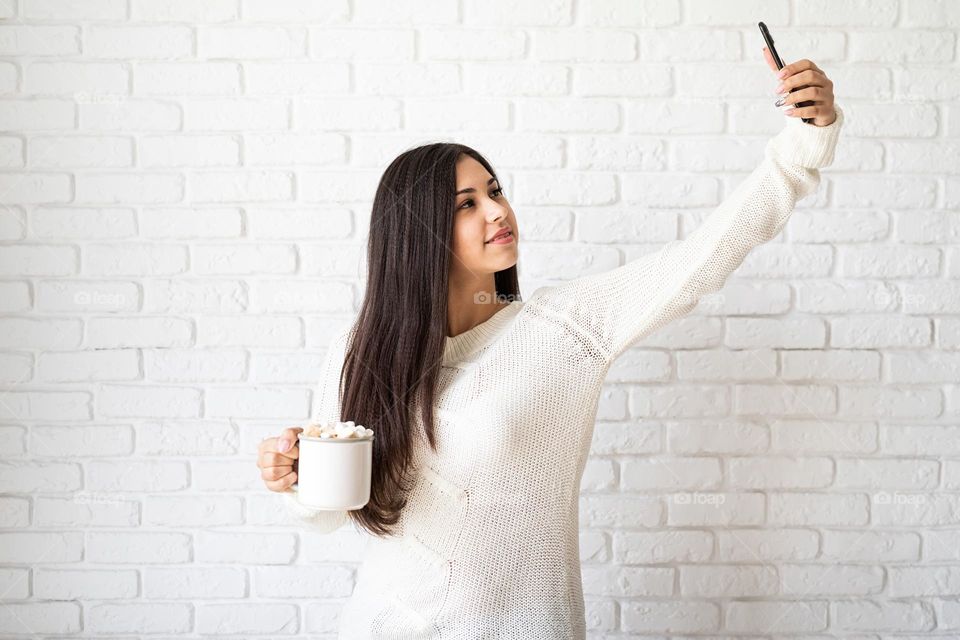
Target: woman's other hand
(276,457)
(807,83)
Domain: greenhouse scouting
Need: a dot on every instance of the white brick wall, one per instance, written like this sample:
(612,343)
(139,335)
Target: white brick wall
(186,189)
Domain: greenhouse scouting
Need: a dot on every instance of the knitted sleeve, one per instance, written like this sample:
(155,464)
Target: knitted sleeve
(616,308)
(327,408)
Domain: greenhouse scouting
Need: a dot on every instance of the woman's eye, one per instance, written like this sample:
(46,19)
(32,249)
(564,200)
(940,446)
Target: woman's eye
(498,192)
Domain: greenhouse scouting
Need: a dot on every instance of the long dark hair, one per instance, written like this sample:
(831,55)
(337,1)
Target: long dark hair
(393,360)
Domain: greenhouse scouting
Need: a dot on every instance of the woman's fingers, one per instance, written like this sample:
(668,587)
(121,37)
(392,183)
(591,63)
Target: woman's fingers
(285,443)
(816,94)
(287,440)
(277,459)
(815,111)
(283,483)
(809,78)
(804,81)
(797,67)
(269,459)
(275,473)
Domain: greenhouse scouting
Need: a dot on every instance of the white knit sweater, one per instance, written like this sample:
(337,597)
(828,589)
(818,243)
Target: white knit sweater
(488,544)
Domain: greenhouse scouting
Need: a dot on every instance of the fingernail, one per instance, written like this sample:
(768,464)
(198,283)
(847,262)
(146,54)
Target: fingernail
(283,445)
(780,89)
(782,74)
(779,102)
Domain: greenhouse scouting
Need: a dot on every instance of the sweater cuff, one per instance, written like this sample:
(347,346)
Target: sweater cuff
(805,144)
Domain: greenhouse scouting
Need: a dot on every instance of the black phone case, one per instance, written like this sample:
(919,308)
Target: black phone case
(776,58)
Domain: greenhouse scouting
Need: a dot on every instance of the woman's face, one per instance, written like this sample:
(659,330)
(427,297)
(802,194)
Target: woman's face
(481,212)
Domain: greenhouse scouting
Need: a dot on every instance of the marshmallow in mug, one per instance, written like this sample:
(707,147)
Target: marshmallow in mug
(337,429)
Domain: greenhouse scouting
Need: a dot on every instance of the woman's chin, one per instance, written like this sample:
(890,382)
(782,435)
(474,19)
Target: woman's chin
(506,263)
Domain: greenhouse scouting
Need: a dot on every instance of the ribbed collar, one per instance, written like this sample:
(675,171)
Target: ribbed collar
(458,347)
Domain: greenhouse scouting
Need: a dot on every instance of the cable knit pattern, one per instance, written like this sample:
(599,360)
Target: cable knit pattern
(488,543)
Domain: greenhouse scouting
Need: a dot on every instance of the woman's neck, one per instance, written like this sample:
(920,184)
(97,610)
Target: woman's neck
(469,306)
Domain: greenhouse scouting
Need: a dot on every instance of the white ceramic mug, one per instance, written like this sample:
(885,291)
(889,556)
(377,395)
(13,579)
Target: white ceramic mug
(333,473)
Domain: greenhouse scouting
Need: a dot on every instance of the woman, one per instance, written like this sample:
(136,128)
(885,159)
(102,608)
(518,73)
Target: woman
(483,404)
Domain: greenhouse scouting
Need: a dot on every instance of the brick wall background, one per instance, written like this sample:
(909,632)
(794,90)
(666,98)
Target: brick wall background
(185,189)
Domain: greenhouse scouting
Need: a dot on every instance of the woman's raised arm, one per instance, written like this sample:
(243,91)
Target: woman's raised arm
(617,308)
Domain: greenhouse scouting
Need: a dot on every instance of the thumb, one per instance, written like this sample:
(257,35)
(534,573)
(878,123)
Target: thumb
(287,440)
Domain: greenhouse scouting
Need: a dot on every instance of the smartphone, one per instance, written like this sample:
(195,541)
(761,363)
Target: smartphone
(776,58)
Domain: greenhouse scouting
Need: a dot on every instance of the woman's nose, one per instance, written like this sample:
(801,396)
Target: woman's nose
(495,215)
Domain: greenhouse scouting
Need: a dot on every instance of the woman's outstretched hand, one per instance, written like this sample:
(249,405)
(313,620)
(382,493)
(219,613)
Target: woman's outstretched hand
(809,82)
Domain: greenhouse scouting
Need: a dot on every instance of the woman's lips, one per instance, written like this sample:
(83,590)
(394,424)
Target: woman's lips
(506,238)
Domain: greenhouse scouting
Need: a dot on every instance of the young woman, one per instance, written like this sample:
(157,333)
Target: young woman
(483,404)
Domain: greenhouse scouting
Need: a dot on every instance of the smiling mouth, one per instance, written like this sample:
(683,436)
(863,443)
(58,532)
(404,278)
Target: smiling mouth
(506,233)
